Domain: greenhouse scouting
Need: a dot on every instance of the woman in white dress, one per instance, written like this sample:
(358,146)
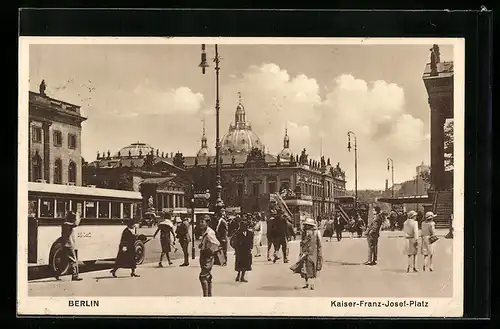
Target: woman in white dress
(410,229)
(428,230)
(257,237)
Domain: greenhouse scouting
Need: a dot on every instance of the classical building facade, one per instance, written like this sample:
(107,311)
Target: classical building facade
(139,167)
(54,146)
(250,174)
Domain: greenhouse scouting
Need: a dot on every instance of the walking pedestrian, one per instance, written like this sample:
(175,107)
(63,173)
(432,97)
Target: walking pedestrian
(328,232)
(338,224)
(208,246)
(311,258)
(428,231)
(242,242)
(221,232)
(126,250)
(393,218)
(167,239)
(360,225)
(257,236)
(410,228)
(69,244)
(270,235)
(184,238)
(372,234)
(280,238)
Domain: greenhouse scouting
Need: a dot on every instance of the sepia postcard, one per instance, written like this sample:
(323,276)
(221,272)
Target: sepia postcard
(241,177)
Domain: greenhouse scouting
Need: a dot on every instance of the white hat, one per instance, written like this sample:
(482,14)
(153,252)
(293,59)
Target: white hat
(309,221)
(430,215)
(412,214)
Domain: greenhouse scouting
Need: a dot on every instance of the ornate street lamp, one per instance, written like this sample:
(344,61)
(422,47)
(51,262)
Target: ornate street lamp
(218,202)
(391,167)
(349,133)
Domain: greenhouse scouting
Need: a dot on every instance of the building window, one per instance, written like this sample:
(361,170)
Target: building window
(71,141)
(72,172)
(58,171)
(36,163)
(240,190)
(57,138)
(272,187)
(255,189)
(37,134)
(285,185)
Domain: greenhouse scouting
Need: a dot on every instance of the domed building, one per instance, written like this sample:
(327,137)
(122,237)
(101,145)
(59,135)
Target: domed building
(249,174)
(140,167)
(240,139)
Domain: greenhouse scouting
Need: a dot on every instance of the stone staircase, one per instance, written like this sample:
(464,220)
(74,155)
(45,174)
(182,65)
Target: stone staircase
(443,208)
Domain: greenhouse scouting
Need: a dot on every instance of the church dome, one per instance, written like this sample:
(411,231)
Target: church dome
(135,150)
(240,138)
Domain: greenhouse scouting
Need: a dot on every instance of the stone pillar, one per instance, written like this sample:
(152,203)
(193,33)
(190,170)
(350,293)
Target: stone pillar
(46,151)
(437,144)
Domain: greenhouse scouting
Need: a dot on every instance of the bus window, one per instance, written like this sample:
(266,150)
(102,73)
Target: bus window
(115,210)
(126,210)
(47,208)
(32,208)
(103,209)
(90,209)
(77,206)
(61,208)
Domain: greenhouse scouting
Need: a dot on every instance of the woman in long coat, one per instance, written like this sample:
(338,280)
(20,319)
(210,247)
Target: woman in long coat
(242,242)
(311,256)
(328,232)
(428,230)
(126,251)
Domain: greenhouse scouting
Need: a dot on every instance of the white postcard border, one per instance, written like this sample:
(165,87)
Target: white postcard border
(242,306)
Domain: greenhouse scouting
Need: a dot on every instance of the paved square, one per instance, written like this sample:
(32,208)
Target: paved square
(343,275)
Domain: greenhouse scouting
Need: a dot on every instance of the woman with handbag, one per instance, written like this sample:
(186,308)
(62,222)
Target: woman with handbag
(311,257)
(428,239)
(410,229)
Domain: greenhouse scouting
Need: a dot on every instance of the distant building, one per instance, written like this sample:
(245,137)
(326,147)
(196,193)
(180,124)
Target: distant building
(54,146)
(139,167)
(250,174)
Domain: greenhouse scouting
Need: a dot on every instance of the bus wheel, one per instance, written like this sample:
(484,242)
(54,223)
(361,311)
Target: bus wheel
(59,263)
(139,252)
(89,262)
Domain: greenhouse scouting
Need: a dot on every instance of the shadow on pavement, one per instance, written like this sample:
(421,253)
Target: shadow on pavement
(342,263)
(279,288)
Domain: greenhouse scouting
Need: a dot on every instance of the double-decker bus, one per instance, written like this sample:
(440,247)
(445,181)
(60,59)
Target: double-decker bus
(104,214)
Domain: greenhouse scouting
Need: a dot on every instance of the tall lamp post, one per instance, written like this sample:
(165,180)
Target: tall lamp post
(349,133)
(218,202)
(391,167)
(193,223)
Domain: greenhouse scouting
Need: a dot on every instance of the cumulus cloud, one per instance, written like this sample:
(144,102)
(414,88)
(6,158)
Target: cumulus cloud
(181,100)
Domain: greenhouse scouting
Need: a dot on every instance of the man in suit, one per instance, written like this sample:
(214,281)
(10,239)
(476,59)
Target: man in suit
(184,238)
(270,234)
(372,234)
(281,234)
(338,224)
(221,232)
(69,244)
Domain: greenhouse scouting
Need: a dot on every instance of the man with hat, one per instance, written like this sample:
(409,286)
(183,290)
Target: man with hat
(69,244)
(372,234)
(280,235)
(209,245)
(182,232)
(221,230)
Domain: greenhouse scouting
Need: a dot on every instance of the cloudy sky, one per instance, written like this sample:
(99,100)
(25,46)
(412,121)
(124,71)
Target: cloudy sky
(157,94)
